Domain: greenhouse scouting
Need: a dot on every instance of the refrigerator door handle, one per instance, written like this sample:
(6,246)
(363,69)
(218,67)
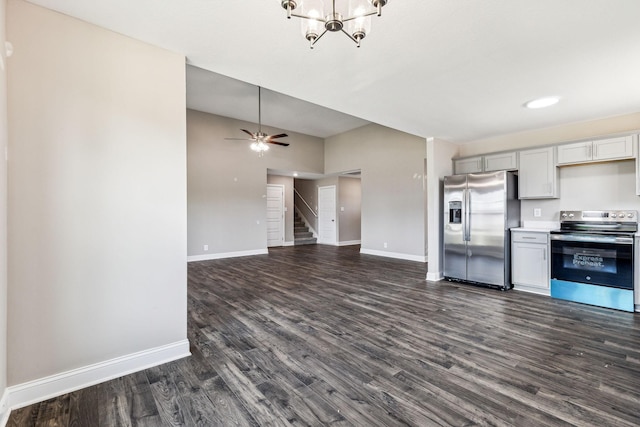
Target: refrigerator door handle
(467,215)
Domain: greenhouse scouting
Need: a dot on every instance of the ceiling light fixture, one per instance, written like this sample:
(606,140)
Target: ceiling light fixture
(354,14)
(547,101)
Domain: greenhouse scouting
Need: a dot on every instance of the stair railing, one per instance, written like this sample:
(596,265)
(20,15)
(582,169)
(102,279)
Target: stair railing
(305,202)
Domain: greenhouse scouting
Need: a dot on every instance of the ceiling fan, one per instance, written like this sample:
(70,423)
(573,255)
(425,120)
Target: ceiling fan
(261,139)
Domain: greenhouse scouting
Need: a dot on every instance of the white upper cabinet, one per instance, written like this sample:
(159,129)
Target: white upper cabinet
(487,163)
(613,148)
(538,176)
(595,151)
(468,165)
(574,153)
(501,162)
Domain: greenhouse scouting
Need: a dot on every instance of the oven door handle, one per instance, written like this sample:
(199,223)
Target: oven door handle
(592,239)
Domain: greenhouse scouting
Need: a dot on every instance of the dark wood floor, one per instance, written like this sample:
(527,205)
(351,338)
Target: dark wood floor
(318,335)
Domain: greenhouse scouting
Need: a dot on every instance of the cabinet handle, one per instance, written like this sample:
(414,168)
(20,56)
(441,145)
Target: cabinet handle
(595,152)
(528,238)
(544,254)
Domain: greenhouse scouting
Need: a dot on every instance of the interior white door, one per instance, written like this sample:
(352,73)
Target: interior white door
(275,215)
(327,215)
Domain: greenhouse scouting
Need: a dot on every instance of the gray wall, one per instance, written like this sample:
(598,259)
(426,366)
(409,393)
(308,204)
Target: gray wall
(97,195)
(287,182)
(349,199)
(227,183)
(392,165)
(3,208)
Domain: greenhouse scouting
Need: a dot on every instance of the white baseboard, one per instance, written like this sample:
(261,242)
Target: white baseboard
(55,385)
(395,255)
(349,242)
(207,257)
(434,276)
(4,408)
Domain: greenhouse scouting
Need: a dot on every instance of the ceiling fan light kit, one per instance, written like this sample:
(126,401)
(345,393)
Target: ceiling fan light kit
(317,19)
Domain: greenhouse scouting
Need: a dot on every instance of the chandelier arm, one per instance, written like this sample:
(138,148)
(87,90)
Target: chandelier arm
(319,37)
(310,18)
(351,37)
(359,16)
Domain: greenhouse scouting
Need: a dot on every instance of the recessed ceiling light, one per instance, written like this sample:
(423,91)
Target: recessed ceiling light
(547,101)
(295,174)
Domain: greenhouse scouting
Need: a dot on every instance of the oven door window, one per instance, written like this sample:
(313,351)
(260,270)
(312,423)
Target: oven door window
(606,264)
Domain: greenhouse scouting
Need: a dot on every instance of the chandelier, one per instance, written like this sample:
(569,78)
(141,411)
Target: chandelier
(353,17)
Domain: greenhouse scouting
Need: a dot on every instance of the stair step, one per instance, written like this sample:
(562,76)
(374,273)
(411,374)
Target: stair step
(305,241)
(303,234)
(302,228)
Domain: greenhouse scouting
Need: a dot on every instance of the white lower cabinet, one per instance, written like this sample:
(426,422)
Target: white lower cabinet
(530,261)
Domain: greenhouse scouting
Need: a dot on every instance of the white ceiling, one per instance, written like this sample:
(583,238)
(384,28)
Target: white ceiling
(459,70)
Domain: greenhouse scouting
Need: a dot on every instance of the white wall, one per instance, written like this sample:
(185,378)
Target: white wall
(608,185)
(554,135)
(97,195)
(227,183)
(439,154)
(3,211)
(393,194)
(595,186)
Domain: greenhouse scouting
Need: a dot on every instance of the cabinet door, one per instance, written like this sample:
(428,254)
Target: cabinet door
(529,265)
(575,153)
(501,162)
(538,174)
(470,165)
(613,148)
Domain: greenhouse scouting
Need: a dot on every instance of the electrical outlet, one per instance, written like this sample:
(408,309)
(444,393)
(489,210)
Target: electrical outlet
(206,247)
(385,245)
(537,212)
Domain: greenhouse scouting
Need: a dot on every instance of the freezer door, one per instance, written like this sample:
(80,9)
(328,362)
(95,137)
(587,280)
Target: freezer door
(486,245)
(455,263)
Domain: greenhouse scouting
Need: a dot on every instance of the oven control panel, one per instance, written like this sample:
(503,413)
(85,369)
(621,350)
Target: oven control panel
(600,216)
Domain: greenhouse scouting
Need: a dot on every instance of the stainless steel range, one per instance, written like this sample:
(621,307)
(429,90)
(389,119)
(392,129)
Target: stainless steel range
(592,258)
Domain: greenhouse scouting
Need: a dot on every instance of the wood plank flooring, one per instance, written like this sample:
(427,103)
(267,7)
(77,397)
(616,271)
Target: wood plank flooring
(321,335)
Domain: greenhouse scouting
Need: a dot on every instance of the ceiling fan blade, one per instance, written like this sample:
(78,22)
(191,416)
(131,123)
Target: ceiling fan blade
(246,131)
(240,139)
(281,135)
(284,144)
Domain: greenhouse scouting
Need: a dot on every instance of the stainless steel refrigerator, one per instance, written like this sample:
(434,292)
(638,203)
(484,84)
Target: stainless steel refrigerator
(479,210)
